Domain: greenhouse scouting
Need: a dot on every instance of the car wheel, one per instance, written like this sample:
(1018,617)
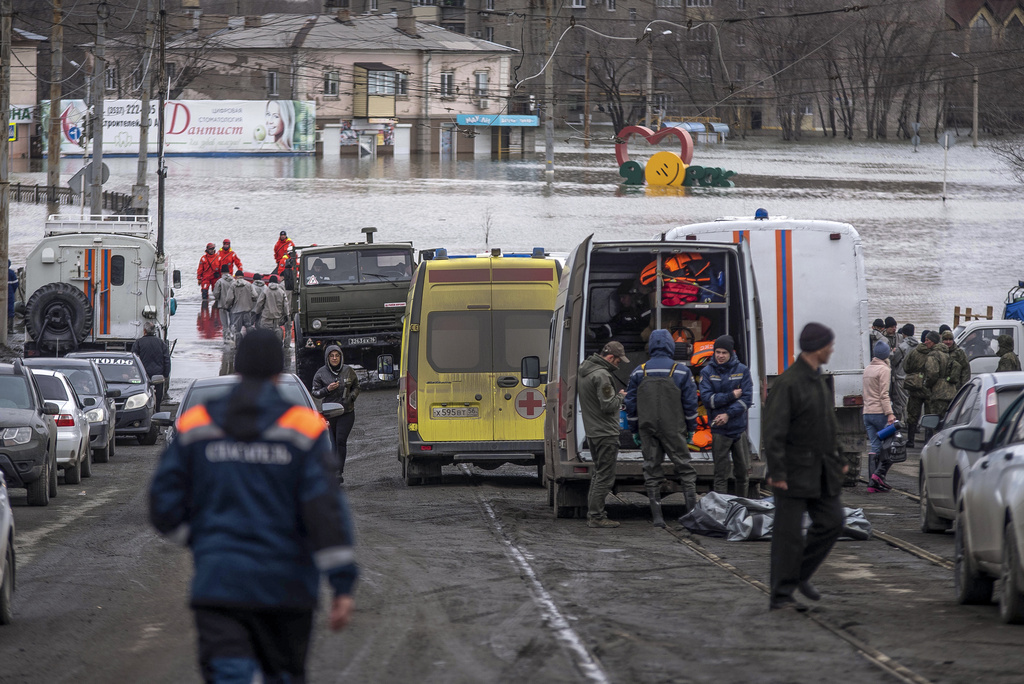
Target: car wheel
(103,455)
(149,439)
(1011,600)
(87,463)
(971,587)
(39,490)
(7,588)
(53,478)
(73,474)
(930,522)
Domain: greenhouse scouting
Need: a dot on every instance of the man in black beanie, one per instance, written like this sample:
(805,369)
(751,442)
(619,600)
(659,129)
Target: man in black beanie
(877,331)
(805,469)
(727,392)
(248,483)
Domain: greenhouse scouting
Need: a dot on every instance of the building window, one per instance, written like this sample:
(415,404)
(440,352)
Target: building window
(741,4)
(489,33)
(380,83)
(579,3)
(697,68)
(632,16)
(447,84)
(807,109)
(110,78)
(982,28)
(480,79)
(336,4)
(401,83)
(741,39)
(489,5)
(669,3)
(611,5)
(271,83)
(699,3)
(741,72)
(374,6)
(701,33)
(423,3)
(331,81)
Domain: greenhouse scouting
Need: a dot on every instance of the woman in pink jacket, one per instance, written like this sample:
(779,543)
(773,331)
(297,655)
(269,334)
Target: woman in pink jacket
(877,411)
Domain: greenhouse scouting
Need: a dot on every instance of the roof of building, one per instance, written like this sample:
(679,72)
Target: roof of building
(27,35)
(962,12)
(327,32)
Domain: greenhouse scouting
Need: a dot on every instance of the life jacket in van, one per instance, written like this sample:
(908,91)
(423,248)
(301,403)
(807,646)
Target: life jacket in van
(684,277)
(702,353)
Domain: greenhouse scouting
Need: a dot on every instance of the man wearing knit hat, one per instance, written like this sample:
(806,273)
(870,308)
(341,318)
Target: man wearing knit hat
(897,361)
(805,469)
(727,392)
(877,331)
(892,336)
(923,368)
(248,484)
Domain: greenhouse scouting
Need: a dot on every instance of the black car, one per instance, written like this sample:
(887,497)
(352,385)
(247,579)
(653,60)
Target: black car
(98,399)
(28,435)
(135,407)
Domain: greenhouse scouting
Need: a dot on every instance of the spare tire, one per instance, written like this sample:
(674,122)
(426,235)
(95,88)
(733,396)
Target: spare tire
(58,314)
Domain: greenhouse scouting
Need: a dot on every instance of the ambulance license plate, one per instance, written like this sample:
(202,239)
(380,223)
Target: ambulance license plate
(455,412)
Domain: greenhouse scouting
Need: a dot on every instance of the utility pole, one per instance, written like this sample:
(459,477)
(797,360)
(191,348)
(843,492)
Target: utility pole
(140,192)
(975,117)
(161,169)
(53,134)
(549,107)
(6,12)
(99,87)
(650,81)
(586,102)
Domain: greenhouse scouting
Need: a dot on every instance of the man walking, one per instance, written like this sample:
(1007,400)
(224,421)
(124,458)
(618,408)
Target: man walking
(248,484)
(209,269)
(727,392)
(152,350)
(223,298)
(243,304)
(272,306)
(660,399)
(600,404)
(805,469)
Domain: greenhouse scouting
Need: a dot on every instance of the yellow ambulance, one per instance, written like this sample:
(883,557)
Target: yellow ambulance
(469,323)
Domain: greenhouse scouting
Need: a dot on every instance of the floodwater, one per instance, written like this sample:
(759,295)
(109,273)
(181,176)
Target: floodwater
(923,255)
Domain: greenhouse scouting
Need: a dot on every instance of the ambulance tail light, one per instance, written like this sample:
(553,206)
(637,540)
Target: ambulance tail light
(562,421)
(411,412)
(991,406)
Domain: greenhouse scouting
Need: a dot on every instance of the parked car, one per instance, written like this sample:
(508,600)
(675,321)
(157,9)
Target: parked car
(979,404)
(989,528)
(201,391)
(28,435)
(7,558)
(135,407)
(74,456)
(98,399)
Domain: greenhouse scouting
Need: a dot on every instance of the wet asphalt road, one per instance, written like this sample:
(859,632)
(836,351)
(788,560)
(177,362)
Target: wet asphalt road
(475,581)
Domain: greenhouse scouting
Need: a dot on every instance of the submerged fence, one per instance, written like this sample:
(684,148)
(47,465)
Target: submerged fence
(117,202)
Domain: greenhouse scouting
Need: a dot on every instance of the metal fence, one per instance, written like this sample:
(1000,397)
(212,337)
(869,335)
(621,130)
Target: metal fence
(117,202)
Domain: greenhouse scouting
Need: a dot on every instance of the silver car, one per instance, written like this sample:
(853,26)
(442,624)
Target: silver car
(74,455)
(979,404)
(990,517)
(7,560)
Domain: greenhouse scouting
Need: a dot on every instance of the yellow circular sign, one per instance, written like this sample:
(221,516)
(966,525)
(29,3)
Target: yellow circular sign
(665,168)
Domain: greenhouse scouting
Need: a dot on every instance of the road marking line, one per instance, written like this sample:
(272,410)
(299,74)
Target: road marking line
(587,663)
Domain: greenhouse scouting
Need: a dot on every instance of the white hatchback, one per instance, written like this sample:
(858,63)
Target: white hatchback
(74,456)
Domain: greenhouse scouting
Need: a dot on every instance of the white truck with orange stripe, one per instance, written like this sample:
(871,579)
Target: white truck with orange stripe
(91,284)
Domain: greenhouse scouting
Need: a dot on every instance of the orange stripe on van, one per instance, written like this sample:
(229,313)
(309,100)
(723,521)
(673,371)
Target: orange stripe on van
(195,417)
(523,274)
(302,420)
(462,275)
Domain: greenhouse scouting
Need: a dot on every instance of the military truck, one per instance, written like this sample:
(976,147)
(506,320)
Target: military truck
(91,284)
(352,295)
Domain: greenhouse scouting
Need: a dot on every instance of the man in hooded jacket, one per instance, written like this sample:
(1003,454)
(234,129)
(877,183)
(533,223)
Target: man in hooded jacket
(243,304)
(897,361)
(223,298)
(337,383)
(272,306)
(727,392)
(660,399)
(1008,360)
(599,405)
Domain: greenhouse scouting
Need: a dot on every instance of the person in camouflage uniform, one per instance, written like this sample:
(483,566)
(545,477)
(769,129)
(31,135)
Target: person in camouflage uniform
(914,383)
(897,392)
(936,378)
(1008,361)
(959,367)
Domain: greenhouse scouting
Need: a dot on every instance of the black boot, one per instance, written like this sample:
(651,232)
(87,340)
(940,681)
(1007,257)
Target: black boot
(691,500)
(872,465)
(654,496)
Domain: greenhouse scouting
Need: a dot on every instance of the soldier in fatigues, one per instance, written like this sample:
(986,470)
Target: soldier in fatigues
(959,371)
(914,382)
(1008,360)
(599,404)
(660,400)
(936,369)
(897,361)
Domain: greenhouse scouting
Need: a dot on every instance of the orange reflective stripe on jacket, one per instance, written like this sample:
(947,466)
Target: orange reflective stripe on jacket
(195,417)
(303,420)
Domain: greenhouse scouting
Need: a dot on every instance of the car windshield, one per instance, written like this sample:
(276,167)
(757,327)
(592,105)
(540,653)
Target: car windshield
(14,392)
(357,266)
(290,392)
(51,388)
(120,370)
(82,380)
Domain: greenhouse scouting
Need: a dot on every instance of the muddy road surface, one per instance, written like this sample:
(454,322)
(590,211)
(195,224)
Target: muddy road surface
(474,580)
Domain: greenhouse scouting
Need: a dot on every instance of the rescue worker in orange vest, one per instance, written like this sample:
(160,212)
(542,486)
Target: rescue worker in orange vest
(226,257)
(727,392)
(209,269)
(661,398)
(281,249)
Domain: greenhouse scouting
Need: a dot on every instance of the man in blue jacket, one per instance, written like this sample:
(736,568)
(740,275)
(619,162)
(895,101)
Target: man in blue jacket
(727,393)
(248,484)
(661,398)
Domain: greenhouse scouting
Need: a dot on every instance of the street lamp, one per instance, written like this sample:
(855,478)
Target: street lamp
(650,72)
(974,119)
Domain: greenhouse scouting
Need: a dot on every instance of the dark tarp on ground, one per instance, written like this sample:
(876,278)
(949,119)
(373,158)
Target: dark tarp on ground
(739,519)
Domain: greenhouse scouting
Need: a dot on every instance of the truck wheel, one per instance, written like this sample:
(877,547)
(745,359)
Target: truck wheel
(39,490)
(58,314)
(1011,599)
(972,588)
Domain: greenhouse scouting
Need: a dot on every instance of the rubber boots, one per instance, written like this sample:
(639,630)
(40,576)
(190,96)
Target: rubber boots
(691,500)
(654,496)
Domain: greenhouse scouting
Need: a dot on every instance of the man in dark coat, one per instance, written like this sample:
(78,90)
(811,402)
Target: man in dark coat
(155,357)
(805,469)
(727,392)
(599,404)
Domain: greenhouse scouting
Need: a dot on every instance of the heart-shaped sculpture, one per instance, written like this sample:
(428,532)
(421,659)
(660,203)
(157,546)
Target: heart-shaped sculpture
(685,141)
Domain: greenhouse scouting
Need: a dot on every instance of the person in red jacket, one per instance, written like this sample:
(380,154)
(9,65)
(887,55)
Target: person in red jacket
(226,257)
(209,269)
(281,247)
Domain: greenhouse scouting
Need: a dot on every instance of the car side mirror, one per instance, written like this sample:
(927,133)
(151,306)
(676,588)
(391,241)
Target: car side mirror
(332,410)
(529,369)
(163,419)
(968,439)
(88,401)
(386,367)
(51,409)
(176,278)
(157,380)
(112,394)
(931,422)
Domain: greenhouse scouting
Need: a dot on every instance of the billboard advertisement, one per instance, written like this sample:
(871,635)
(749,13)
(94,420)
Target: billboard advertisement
(195,126)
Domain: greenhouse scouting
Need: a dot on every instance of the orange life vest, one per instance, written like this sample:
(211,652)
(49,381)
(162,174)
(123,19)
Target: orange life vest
(682,278)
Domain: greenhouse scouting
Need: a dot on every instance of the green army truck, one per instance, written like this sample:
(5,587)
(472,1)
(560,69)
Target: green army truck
(352,295)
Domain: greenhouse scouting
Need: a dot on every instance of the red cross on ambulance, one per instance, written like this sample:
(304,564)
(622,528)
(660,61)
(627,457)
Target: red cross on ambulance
(530,403)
